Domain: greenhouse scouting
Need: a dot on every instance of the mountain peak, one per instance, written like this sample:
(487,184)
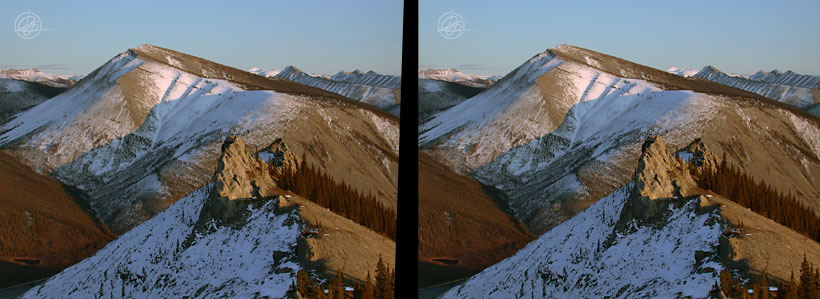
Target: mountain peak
(710,69)
(291,68)
(567,47)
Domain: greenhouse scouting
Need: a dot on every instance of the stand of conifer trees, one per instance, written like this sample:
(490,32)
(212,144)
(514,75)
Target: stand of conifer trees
(384,286)
(808,285)
(340,198)
(759,197)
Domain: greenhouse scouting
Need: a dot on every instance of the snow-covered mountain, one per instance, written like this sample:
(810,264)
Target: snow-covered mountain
(455,76)
(144,130)
(264,72)
(370,78)
(619,246)
(382,91)
(682,72)
(790,88)
(18,95)
(564,129)
(36,76)
(226,239)
(270,234)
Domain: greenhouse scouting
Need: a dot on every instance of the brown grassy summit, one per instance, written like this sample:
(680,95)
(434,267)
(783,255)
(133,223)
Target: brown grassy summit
(42,228)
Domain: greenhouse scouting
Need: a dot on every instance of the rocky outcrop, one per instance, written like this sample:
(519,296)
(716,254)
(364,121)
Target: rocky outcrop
(659,177)
(697,153)
(239,179)
(278,155)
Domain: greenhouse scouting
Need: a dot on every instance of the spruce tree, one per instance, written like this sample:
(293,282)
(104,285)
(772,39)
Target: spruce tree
(368,288)
(807,287)
(761,287)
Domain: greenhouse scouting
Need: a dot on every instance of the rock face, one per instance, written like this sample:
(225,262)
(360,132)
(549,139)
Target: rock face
(697,153)
(278,154)
(659,176)
(239,178)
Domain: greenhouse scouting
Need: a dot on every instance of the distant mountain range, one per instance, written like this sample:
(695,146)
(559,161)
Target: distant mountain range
(802,91)
(382,91)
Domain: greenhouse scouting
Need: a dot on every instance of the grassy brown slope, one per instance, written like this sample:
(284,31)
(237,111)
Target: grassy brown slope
(478,234)
(763,244)
(58,233)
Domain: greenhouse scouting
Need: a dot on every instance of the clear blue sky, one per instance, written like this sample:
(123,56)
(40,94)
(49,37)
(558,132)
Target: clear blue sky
(734,36)
(317,36)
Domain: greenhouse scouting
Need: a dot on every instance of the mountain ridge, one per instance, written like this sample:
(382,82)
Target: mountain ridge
(138,133)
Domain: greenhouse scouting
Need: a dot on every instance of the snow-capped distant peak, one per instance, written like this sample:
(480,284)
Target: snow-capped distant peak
(36,76)
(264,72)
(682,72)
(455,76)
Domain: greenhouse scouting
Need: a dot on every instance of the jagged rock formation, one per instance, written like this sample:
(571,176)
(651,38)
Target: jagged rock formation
(239,175)
(239,179)
(697,153)
(659,176)
(279,155)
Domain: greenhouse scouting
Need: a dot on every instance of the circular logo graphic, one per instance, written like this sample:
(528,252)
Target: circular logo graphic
(28,25)
(451,25)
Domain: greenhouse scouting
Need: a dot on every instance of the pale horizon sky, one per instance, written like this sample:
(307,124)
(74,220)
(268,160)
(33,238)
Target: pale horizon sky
(320,37)
(734,36)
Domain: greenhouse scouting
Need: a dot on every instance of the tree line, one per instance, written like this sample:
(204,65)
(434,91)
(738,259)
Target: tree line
(807,286)
(759,197)
(383,287)
(315,185)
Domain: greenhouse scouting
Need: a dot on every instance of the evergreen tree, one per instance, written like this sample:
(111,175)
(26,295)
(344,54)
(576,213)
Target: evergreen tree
(808,282)
(788,290)
(368,288)
(319,187)
(761,287)
(302,282)
(726,282)
(336,290)
(384,283)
